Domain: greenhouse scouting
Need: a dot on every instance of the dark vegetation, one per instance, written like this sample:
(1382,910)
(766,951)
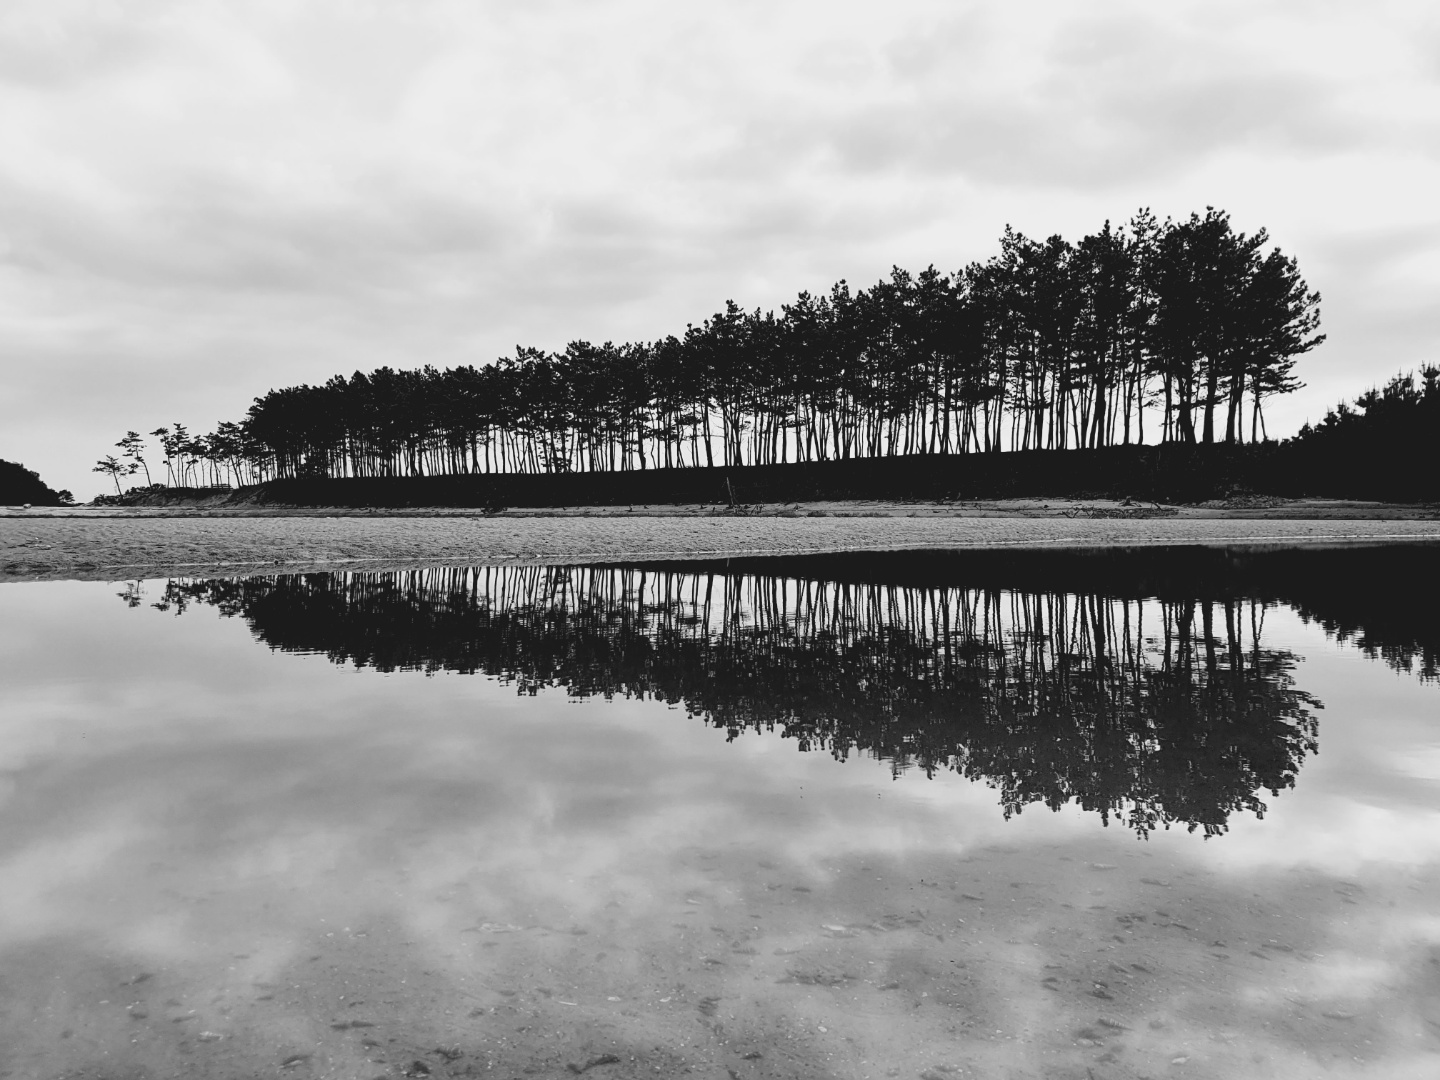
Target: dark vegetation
(19,485)
(1137,683)
(1385,445)
(1172,472)
(1174,333)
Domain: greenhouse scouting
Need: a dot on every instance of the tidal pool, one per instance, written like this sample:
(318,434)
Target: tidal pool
(1027,813)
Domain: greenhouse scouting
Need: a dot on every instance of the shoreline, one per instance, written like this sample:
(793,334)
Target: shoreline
(109,545)
(1243,508)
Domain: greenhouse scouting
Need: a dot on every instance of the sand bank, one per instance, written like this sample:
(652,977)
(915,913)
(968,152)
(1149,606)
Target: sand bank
(110,545)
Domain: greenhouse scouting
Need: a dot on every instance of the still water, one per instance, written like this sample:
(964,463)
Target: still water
(1070,814)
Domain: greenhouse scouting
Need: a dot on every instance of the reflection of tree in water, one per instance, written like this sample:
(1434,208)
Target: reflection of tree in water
(1150,711)
(1387,609)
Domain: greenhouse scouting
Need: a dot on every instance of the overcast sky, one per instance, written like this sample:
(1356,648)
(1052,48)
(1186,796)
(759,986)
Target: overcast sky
(200,201)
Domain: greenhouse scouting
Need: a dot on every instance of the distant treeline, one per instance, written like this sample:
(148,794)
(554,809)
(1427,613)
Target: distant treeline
(1173,332)
(19,485)
(1384,445)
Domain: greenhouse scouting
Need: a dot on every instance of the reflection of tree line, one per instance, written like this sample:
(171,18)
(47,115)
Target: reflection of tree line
(1151,711)
(1378,597)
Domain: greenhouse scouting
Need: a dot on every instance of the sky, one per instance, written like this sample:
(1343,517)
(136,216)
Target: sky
(201,201)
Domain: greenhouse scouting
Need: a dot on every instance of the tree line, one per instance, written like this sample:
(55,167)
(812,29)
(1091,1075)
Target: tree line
(20,486)
(1178,331)
(204,460)
(1406,410)
(1382,445)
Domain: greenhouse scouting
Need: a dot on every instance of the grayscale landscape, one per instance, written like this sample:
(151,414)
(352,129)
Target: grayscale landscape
(732,541)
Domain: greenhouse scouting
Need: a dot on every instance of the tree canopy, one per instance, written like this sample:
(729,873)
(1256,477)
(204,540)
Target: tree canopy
(1174,331)
(19,485)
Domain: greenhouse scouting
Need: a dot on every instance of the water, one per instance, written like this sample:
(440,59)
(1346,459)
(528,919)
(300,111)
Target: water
(1026,813)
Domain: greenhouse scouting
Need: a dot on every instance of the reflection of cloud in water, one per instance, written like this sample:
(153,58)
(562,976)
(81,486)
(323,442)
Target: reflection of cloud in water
(220,835)
(1340,836)
(44,885)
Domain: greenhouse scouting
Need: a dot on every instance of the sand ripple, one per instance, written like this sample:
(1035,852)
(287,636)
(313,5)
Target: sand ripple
(118,547)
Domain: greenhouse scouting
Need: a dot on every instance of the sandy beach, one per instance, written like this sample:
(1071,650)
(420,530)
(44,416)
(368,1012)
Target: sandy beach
(108,544)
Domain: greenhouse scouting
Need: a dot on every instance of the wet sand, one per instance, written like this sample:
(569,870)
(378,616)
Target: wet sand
(998,962)
(105,544)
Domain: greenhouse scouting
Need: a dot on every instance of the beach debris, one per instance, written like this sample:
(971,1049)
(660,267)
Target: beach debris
(416,1068)
(294,1060)
(816,978)
(209,1036)
(593,1063)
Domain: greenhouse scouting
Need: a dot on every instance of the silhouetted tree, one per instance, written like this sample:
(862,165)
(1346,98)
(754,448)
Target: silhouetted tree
(132,448)
(114,468)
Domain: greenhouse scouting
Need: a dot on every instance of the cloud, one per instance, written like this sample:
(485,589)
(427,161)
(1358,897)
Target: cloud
(1087,103)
